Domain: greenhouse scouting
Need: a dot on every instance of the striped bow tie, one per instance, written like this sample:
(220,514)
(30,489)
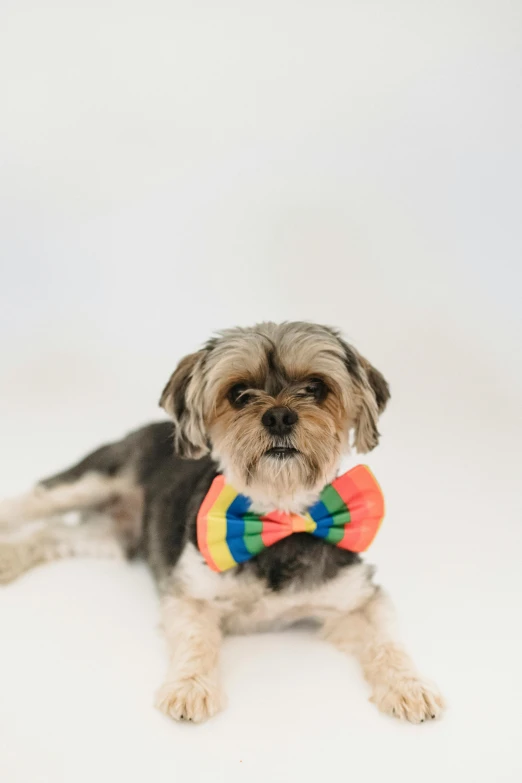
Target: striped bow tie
(348,514)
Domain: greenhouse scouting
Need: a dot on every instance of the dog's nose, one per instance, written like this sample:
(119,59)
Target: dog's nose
(279,421)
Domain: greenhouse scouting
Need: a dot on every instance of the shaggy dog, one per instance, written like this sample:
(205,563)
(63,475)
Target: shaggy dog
(272,408)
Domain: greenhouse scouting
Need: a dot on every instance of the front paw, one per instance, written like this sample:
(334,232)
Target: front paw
(194,698)
(409,698)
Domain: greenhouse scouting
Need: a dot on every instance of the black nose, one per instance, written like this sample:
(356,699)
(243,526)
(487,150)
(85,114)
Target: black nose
(279,421)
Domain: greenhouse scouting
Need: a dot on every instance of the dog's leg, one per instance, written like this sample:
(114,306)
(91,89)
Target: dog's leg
(103,480)
(397,687)
(102,476)
(56,540)
(45,500)
(192,688)
(24,544)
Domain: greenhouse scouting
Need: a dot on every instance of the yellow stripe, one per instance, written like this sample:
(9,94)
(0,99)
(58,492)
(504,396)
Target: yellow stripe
(217,529)
(310,524)
(303,524)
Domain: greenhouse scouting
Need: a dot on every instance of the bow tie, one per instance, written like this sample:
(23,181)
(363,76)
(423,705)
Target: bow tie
(348,514)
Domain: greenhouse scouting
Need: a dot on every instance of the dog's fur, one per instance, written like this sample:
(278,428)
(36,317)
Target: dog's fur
(152,483)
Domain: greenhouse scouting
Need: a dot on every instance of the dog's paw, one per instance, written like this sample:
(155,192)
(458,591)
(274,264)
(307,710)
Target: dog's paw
(409,698)
(194,699)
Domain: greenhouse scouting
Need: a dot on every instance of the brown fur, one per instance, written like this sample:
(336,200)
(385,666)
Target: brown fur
(322,391)
(275,362)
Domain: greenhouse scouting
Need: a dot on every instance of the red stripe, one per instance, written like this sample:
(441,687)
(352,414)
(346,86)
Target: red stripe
(202,522)
(363,496)
(276,525)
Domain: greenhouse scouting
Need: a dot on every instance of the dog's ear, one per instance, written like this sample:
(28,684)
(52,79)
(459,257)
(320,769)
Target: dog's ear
(378,383)
(182,399)
(372,393)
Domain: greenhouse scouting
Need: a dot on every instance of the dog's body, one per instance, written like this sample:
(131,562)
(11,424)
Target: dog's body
(271,408)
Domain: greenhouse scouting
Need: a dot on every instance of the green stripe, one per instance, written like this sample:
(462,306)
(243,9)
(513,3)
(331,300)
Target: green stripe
(335,505)
(334,535)
(252,535)
(339,511)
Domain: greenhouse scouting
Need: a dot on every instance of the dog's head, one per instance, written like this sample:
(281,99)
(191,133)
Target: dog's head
(275,404)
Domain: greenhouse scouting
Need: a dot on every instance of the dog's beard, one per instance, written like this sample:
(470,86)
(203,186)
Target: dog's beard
(277,470)
(282,479)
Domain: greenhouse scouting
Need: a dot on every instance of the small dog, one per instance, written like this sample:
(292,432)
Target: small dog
(272,408)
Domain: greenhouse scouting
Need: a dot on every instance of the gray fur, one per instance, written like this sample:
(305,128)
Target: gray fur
(174,486)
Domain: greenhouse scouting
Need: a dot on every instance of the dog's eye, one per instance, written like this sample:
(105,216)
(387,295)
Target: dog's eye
(316,388)
(237,396)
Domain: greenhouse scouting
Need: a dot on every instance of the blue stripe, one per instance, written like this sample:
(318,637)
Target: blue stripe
(236,528)
(322,518)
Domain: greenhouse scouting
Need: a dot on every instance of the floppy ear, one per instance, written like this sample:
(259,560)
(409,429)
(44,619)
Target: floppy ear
(378,384)
(182,399)
(372,392)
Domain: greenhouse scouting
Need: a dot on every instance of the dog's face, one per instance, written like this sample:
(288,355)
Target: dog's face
(275,404)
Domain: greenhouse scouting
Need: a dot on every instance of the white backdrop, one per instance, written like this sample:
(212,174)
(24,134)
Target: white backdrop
(172,168)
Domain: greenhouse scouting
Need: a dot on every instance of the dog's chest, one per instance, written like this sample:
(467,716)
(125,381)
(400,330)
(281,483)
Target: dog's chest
(247,602)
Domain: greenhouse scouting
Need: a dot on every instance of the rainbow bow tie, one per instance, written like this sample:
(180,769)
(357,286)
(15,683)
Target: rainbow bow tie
(348,515)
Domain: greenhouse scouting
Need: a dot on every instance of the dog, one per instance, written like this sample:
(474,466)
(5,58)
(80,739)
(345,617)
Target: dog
(273,408)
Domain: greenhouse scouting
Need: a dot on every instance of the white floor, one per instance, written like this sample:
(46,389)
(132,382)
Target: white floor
(81,654)
(173,168)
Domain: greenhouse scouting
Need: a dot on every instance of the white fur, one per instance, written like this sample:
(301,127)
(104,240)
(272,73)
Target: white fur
(200,605)
(53,540)
(264,499)
(355,616)
(90,490)
(397,687)
(192,689)
(245,604)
